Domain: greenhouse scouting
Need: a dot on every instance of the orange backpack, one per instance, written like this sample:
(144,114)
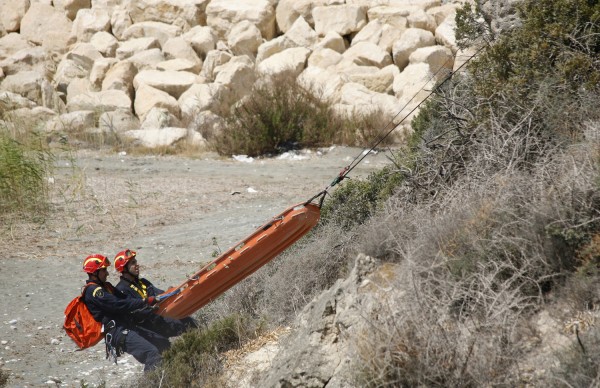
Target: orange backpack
(80,324)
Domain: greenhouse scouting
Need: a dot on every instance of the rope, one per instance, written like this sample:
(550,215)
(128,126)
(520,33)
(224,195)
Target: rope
(360,157)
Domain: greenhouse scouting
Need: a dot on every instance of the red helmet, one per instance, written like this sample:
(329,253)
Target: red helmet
(122,258)
(93,263)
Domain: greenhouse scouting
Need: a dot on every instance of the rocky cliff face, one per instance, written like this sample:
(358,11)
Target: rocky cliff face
(162,70)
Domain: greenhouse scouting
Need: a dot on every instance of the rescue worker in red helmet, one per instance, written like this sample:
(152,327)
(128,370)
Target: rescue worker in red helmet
(132,285)
(115,310)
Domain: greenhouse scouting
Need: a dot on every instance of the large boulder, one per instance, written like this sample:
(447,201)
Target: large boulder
(99,71)
(301,34)
(172,82)
(88,22)
(445,33)
(12,13)
(288,11)
(221,15)
(439,58)
(158,137)
(179,48)
(325,84)
(161,31)
(11,101)
(237,76)
(128,48)
(71,7)
(183,13)
(11,44)
(104,101)
(291,61)
(25,83)
(367,54)
(244,38)
(120,77)
(105,43)
(394,16)
(324,58)
(199,98)
(214,59)
(343,19)
(202,40)
(147,59)
(44,25)
(72,122)
(411,39)
(34,58)
(147,97)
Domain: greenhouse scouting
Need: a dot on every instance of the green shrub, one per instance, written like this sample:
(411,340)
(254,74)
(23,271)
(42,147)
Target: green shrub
(354,201)
(24,165)
(281,115)
(194,358)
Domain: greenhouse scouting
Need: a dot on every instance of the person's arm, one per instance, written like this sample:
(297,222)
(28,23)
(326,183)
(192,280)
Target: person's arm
(109,302)
(151,288)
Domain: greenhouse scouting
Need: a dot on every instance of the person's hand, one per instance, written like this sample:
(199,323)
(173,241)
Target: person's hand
(151,301)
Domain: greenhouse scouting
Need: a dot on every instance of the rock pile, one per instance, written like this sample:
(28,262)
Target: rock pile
(163,70)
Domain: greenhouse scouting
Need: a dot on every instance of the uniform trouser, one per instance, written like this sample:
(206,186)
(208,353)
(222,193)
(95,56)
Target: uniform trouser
(168,327)
(145,346)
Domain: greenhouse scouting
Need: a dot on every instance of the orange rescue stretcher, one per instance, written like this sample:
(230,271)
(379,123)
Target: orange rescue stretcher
(238,262)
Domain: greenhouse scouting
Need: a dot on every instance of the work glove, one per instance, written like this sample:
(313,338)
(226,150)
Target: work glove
(151,301)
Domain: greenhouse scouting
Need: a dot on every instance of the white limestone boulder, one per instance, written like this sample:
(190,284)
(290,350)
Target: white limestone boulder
(66,72)
(389,35)
(199,98)
(161,31)
(422,4)
(158,137)
(147,59)
(77,87)
(104,101)
(445,33)
(421,19)
(272,47)
(28,84)
(214,59)
(11,101)
(11,44)
(366,102)
(373,78)
(35,58)
(291,61)
(440,13)
(71,122)
(159,118)
(120,77)
(12,13)
(367,54)
(302,34)
(32,118)
(44,25)
(84,55)
(99,70)
(208,124)
(105,43)
(172,82)
(179,65)
(343,19)
(183,13)
(411,39)
(394,16)
(179,48)
(414,81)
(369,33)
(324,58)
(120,21)
(463,56)
(244,38)
(118,121)
(237,76)
(147,97)
(202,40)
(221,15)
(439,58)
(88,22)
(71,7)
(288,11)
(325,84)
(332,40)
(129,48)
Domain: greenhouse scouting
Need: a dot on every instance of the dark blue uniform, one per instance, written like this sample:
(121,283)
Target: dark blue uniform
(143,288)
(115,310)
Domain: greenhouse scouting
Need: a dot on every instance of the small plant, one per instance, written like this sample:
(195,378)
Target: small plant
(4,378)
(25,162)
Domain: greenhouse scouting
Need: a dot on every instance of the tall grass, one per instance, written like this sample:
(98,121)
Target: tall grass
(25,161)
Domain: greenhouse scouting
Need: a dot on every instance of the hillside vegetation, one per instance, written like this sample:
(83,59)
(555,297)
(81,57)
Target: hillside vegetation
(492,208)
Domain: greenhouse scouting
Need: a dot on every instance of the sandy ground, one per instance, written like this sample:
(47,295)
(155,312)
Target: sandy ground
(169,209)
